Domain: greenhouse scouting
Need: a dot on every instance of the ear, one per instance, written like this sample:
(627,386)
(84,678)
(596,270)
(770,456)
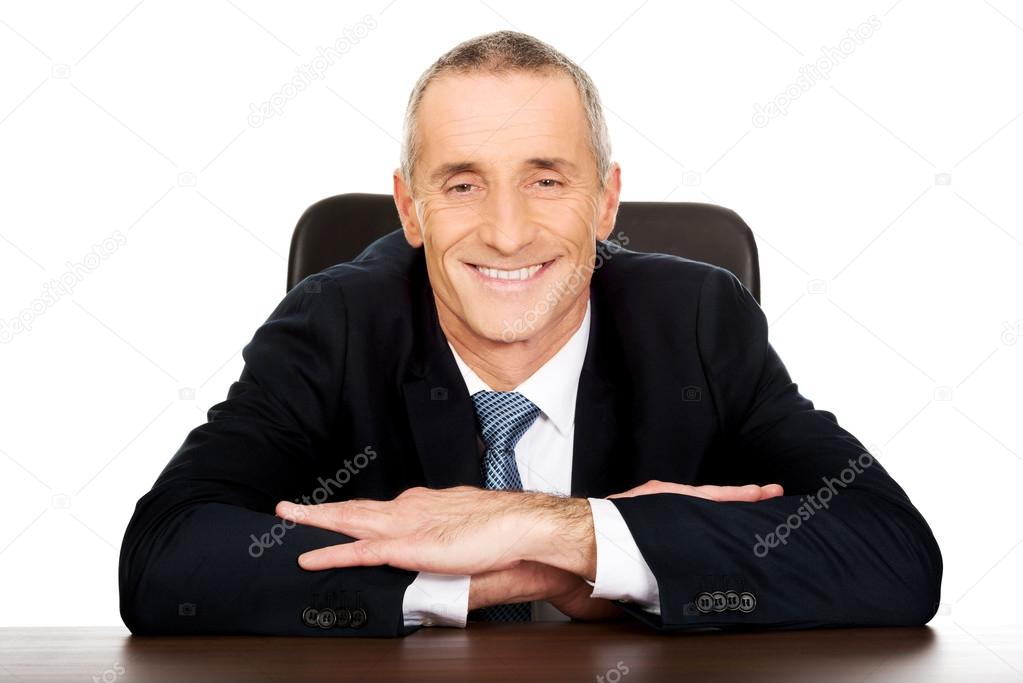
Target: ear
(609,202)
(407,211)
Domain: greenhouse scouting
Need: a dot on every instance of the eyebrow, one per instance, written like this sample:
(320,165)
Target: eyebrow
(446,170)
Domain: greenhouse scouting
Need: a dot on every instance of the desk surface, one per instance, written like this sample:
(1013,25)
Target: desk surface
(612,653)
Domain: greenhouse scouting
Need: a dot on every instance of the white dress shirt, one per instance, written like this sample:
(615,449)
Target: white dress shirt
(544,458)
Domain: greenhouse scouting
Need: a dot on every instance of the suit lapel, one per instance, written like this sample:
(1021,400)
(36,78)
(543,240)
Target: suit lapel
(440,412)
(443,421)
(596,452)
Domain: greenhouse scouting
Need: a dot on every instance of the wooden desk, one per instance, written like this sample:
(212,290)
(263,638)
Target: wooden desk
(613,653)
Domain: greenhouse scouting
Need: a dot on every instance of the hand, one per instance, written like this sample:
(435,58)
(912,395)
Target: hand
(750,493)
(528,581)
(460,530)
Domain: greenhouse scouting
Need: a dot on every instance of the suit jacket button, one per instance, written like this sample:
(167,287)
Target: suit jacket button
(747,602)
(344,617)
(704,602)
(309,616)
(732,600)
(359,618)
(718,599)
(326,618)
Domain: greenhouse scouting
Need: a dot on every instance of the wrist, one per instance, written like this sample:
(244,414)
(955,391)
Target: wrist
(480,594)
(521,583)
(559,533)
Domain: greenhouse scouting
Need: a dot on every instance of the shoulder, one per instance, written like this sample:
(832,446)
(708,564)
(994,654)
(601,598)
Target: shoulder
(662,280)
(389,261)
(382,278)
(664,304)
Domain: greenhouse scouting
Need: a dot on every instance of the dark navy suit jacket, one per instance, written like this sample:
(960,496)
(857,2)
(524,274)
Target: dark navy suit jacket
(679,384)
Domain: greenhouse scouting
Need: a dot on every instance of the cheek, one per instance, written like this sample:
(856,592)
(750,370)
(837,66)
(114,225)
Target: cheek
(441,230)
(572,221)
(446,225)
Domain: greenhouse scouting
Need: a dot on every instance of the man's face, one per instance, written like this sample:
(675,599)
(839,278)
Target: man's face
(506,203)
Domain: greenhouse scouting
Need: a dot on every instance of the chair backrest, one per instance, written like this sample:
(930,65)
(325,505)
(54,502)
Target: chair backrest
(338,228)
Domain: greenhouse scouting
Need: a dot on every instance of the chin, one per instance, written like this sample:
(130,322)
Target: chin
(514,327)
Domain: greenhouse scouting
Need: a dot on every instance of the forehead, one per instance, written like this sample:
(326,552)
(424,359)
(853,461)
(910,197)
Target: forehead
(488,117)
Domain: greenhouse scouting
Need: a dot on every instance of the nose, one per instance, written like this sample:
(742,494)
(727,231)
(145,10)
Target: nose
(506,225)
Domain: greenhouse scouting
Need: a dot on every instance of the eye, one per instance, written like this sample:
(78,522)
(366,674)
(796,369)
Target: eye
(461,188)
(551,182)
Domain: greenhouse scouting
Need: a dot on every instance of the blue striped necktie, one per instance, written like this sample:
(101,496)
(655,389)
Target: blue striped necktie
(503,416)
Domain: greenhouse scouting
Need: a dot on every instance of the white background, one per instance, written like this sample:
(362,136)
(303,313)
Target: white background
(884,201)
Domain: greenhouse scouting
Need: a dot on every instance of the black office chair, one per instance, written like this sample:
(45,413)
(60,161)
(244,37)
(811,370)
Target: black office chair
(338,228)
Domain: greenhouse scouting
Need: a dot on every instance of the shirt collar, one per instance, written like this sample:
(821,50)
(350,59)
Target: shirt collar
(554,385)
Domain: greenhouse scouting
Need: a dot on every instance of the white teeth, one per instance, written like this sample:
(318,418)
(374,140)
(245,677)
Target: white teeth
(519,274)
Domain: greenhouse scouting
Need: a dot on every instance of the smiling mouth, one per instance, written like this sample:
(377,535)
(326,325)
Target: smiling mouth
(511,274)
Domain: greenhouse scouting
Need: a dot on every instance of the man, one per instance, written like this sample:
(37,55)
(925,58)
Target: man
(473,418)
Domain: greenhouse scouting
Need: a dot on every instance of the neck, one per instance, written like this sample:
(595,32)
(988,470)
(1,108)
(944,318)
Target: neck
(505,365)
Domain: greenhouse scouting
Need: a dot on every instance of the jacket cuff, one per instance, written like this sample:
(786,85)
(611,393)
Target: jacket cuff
(622,573)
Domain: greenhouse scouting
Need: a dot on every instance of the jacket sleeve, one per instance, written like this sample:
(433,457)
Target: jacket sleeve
(204,553)
(844,546)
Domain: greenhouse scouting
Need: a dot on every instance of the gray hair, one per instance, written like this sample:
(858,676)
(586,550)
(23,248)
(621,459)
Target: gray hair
(501,52)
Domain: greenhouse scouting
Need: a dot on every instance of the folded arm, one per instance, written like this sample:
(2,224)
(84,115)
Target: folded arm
(844,546)
(204,552)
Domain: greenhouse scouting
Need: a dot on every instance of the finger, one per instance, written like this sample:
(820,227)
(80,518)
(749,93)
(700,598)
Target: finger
(401,553)
(750,493)
(641,490)
(652,487)
(352,518)
(354,554)
(707,492)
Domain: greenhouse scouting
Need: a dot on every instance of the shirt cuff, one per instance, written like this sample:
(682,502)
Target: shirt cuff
(622,573)
(436,600)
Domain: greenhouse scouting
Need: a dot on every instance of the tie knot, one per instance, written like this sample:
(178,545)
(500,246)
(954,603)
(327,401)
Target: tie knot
(504,416)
